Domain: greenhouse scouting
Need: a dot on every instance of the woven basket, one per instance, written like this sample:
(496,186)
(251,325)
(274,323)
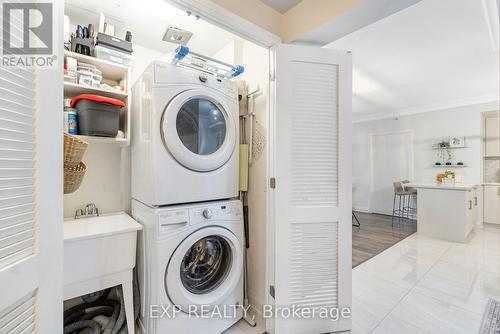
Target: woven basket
(74,149)
(73,177)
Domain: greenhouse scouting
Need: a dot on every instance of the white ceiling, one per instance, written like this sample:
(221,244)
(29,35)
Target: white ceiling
(433,55)
(148,21)
(281,6)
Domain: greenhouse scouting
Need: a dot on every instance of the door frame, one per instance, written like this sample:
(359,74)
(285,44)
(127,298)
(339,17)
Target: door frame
(371,148)
(228,21)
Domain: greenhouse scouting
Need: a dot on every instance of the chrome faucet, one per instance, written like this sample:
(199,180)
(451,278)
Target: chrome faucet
(89,210)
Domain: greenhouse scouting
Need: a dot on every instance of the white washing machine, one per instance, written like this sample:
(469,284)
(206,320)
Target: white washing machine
(184,136)
(190,258)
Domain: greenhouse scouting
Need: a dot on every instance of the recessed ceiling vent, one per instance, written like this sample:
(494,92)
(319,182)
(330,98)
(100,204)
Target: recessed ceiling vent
(177,36)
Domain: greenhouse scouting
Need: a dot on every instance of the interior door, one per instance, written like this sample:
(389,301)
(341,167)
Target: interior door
(391,161)
(311,200)
(31,196)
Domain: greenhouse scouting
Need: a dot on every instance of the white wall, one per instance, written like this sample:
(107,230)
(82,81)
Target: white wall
(428,128)
(143,57)
(255,59)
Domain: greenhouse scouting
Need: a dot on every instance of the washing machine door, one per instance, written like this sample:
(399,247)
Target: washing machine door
(205,269)
(198,130)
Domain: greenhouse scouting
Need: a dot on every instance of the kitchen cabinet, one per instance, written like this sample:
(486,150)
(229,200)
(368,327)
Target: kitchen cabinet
(447,212)
(492,135)
(492,204)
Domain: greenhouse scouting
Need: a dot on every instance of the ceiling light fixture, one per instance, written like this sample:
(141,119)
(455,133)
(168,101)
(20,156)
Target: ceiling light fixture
(177,36)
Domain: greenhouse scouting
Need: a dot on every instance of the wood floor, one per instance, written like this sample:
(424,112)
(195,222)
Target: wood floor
(377,234)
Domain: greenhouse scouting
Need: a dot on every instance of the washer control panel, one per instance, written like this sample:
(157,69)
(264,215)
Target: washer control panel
(172,220)
(231,211)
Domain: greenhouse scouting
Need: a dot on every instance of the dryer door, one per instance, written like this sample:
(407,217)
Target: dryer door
(199,130)
(205,268)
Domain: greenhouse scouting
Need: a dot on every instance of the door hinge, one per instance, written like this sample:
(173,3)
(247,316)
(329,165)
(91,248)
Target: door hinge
(272,291)
(272,76)
(272,183)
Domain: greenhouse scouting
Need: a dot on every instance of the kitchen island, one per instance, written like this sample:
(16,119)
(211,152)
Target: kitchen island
(447,212)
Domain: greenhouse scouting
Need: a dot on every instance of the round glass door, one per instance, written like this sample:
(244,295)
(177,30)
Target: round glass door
(205,268)
(206,265)
(199,130)
(201,126)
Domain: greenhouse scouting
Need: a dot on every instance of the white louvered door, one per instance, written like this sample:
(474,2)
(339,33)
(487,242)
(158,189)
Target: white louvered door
(312,196)
(18,197)
(31,197)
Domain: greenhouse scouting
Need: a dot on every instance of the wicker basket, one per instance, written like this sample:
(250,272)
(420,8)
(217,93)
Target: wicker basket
(74,149)
(73,177)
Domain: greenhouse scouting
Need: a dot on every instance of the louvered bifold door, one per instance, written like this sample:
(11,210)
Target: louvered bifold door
(18,202)
(312,195)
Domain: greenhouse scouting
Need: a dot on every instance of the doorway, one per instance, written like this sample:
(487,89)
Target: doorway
(391,161)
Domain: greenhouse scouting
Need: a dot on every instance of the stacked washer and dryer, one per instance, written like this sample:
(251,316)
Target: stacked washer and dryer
(185,169)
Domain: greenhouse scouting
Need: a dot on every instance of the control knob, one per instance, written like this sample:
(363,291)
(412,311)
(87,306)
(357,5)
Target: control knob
(207,213)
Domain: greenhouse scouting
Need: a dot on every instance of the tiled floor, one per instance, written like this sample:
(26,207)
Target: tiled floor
(423,285)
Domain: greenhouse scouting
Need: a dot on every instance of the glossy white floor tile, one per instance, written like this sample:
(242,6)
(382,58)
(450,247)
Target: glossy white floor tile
(373,298)
(424,285)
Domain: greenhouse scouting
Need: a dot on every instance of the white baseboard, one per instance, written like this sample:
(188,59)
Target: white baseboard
(364,209)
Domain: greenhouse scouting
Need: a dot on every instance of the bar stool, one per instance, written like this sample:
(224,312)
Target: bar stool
(412,199)
(402,197)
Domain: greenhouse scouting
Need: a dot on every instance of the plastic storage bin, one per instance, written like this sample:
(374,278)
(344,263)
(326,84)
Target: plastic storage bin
(97,115)
(113,55)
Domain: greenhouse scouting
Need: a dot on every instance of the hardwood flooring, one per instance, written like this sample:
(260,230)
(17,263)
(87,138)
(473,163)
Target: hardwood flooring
(377,234)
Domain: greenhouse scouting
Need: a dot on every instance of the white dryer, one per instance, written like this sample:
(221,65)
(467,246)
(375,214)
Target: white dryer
(184,136)
(190,258)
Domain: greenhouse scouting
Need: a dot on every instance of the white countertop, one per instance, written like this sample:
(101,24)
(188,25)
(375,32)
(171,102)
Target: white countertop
(440,186)
(95,227)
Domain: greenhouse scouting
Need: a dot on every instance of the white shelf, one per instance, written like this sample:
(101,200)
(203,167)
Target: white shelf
(110,71)
(451,148)
(449,166)
(104,140)
(73,89)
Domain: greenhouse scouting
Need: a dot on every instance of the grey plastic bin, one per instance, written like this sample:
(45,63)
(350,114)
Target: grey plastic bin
(97,115)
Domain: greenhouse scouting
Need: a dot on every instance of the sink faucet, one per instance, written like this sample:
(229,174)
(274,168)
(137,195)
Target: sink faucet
(89,210)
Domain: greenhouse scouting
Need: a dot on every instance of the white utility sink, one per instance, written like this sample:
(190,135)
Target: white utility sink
(99,253)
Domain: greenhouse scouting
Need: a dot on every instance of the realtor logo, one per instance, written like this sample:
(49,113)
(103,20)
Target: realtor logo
(27,34)
(27,28)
